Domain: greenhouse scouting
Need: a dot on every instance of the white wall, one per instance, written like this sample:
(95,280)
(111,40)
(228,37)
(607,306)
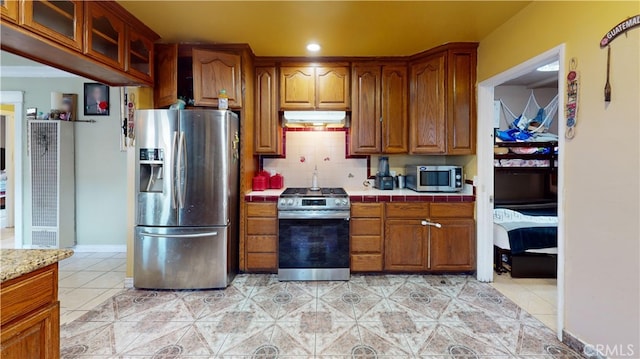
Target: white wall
(516,98)
(101,186)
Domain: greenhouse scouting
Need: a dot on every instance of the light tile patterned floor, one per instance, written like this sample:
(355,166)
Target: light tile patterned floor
(388,316)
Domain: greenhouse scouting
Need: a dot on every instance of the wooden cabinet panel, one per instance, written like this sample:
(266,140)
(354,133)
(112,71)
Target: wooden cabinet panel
(427,106)
(262,210)
(375,210)
(267,127)
(419,210)
(140,55)
(297,88)
(366,244)
(461,124)
(448,210)
(104,35)
(366,131)
(262,226)
(332,88)
(453,245)
(365,226)
(262,262)
(34,291)
(9,10)
(165,91)
(214,71)
(262,244)
(60,21)
(406,245)
(35,337)
(366,263)
(393,107)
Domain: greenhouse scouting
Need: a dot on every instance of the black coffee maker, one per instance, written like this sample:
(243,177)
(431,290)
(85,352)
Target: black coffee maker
(383,178)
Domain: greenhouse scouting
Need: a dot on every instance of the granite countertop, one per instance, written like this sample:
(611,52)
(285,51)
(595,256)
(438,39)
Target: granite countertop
(16,262)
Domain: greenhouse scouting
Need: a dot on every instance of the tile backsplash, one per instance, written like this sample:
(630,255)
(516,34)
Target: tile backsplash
(325,149)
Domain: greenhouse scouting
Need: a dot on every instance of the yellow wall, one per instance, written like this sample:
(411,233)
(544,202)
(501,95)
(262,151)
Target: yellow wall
(602,186)
(6,107)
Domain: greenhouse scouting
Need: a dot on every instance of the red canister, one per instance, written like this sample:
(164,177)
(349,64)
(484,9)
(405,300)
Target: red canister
(259,183)
(276,181)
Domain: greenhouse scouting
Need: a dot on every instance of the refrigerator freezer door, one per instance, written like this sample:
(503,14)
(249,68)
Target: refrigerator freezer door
(156,129)
(207,170)
(180,258)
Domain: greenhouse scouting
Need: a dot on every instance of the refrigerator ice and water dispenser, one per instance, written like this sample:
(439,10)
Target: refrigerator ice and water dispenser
(151,169)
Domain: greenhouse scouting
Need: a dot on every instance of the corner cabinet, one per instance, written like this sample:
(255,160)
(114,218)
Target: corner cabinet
(314,88)
(442,110)
(379,111)
(214,71)
(105,35)
(60,21)
(268,132)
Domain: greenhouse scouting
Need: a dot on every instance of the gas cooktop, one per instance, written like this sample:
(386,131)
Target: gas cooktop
(308,192)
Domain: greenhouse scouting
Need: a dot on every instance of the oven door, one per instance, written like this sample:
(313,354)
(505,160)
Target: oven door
(313,248)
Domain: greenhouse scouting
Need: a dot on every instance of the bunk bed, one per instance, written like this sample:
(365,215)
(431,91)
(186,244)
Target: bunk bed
(525,214)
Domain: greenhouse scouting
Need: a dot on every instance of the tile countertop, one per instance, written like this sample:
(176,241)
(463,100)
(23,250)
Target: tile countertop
(16,262)
(363,194)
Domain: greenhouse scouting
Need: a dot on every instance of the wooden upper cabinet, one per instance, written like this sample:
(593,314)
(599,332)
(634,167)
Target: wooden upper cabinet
(461,125)
(379,110)
(60,21)
(332,88)
(214,71)
(366,131)
(9,10)
(140,55)
(267,128)
(394,107)
(104,35)
(165,91)
(428,105)
(297,88)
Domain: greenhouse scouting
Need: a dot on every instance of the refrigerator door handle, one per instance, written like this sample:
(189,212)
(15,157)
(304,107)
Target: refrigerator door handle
(194,235)
(174,148)
(182,170)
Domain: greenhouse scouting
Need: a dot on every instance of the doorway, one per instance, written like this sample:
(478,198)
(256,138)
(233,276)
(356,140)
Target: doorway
(486,180)
(11,112)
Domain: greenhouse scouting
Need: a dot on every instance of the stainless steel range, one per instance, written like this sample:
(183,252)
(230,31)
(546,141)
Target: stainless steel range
(313,240)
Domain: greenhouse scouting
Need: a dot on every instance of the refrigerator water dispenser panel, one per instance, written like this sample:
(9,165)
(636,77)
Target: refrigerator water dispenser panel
(151,169)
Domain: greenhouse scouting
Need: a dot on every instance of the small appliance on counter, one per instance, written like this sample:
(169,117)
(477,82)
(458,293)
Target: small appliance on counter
(434,178)
(383,179)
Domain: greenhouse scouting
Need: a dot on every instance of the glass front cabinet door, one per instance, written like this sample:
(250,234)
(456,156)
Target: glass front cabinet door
(60,21)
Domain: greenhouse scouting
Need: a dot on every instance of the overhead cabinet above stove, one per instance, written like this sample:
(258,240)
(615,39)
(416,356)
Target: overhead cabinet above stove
(324,87)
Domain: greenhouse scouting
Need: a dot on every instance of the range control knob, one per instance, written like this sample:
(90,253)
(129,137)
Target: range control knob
(290,202)
(283,202)
(345,202)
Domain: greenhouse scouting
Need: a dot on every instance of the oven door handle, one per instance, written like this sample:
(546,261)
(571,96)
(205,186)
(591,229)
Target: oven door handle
(313,215)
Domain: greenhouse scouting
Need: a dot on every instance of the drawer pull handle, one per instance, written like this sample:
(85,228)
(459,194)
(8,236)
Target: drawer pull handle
(434,224)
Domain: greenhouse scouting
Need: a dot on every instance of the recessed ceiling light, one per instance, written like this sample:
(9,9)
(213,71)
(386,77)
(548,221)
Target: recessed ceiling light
(554,66)
(313,47)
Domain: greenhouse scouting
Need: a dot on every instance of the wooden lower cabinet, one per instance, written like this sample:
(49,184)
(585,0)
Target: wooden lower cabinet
(453,245)
(366,237)
(30,316)
(406,245)
(262,237)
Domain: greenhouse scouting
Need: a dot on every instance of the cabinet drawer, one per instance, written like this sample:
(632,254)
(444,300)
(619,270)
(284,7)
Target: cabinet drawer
(28,293)
(261,210)
(262,226)
(366,244)
(366,210)
(262,261)
(262,244)
(366,263)
(366,227)
(448,210)
(408,210)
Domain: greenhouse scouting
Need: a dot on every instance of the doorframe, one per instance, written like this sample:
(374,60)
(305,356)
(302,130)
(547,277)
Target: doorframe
(16,98)
(485,179)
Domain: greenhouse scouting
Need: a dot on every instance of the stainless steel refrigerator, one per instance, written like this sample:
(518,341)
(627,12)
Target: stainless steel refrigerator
(187,164)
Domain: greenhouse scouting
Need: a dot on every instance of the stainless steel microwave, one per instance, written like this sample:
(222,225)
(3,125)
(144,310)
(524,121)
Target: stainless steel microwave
(434,178)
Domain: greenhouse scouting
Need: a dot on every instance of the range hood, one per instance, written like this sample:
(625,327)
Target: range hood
(314,118)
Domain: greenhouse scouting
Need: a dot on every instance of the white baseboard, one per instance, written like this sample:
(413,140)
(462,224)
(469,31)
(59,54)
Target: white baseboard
(128,282)
(100,248)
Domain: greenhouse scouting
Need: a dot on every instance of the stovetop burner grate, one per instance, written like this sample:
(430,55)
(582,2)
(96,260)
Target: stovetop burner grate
(307,192)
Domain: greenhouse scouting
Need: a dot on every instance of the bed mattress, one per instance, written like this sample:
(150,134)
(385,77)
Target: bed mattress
(501,240)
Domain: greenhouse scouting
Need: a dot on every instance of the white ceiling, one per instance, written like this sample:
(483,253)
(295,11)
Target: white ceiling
(16,66)
(535,79)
